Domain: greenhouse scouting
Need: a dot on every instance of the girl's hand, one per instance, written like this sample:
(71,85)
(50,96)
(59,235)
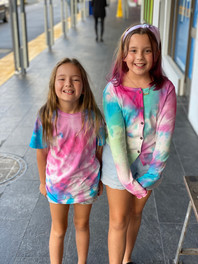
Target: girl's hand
(42,189)
(100,189)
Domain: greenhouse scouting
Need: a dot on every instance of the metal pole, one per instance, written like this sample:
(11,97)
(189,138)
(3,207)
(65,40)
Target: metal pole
(51,29)
(66,16)
(47,31)
(80,9)
(46,24)
(83,12)
(62,17)
(24,47)
(125,9)
(72,13)
(176,259)
(86,8)
(15,33)
(75,11)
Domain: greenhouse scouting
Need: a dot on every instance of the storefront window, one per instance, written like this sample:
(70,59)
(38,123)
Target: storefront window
(182,33)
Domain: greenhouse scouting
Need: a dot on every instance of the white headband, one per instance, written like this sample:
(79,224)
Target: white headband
(152,28)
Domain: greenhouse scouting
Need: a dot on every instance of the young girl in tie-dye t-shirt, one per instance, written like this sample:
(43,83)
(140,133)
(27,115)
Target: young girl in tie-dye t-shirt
(68,135)
(139,107)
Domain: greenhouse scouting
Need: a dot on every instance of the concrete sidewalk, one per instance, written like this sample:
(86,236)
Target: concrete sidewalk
(24,213)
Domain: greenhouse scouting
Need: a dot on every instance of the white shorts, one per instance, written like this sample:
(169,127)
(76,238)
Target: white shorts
(109,174)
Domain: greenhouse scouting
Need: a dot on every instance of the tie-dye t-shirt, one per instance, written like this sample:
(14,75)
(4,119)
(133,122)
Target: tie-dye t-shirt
(134,132)
(72,170)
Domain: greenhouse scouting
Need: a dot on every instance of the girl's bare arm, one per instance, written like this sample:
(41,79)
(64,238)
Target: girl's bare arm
(41,163)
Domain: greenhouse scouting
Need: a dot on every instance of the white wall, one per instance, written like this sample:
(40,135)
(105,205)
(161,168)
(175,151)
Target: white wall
(173,73)
(193,104)
(161,19)
(156,13)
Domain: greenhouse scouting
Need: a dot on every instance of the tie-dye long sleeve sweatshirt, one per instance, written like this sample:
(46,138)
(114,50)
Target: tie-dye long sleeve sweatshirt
(139,125)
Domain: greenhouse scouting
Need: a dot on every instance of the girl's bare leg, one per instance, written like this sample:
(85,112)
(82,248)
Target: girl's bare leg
(119,208)
(81,222)
(59,214)
(137,207)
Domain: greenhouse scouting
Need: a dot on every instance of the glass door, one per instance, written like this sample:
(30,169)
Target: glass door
(182,33)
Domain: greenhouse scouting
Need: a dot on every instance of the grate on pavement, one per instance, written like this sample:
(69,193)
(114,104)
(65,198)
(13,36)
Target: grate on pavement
(11,166)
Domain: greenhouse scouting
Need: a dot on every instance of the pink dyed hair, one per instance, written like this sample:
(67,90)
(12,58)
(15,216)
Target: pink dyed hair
(119,67)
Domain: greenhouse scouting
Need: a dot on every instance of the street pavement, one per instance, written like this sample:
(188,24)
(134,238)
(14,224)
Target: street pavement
(24,213)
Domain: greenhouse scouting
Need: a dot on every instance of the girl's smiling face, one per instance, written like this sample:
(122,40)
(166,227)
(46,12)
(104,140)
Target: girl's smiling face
(139,58)
(68,87)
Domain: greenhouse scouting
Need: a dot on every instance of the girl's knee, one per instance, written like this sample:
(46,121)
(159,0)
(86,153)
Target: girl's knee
(81,225)
(119,222)
(136,211)
(136,215)
(58,232)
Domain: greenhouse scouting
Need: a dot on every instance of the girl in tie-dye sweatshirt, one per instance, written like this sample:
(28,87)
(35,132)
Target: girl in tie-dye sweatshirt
(140,107)
(68,135)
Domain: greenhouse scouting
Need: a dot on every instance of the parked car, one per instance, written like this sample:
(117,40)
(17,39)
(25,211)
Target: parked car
(4,10)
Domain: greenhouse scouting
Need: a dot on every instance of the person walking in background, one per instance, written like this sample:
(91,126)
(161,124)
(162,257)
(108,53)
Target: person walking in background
(68,135)
(140,108)
(99,12)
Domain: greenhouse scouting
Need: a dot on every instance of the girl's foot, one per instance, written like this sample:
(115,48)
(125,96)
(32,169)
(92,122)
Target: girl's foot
(130,262)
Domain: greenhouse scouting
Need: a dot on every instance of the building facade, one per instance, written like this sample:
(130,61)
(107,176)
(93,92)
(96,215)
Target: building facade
(177,21)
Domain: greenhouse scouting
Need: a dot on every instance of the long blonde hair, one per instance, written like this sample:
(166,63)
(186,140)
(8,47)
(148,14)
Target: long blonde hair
(49,111)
